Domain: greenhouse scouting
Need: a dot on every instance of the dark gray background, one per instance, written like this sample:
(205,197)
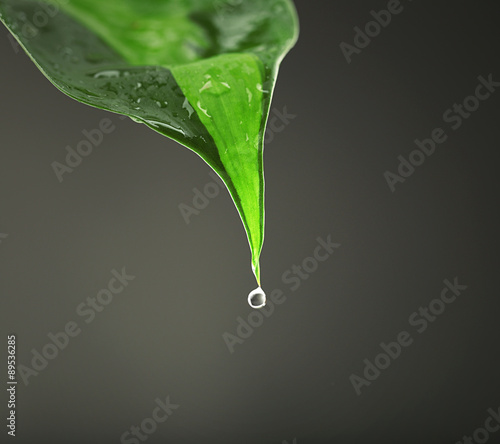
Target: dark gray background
(324,175)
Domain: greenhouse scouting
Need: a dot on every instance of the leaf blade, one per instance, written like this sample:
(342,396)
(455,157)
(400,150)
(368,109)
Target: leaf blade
(122,56)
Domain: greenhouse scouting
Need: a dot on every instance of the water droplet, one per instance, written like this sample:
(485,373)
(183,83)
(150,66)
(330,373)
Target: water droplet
(257,298)
(207,85)
(259,87)
(186,105)
(204,110)
(165,126)
(110,74)
(250,95)
(278,9)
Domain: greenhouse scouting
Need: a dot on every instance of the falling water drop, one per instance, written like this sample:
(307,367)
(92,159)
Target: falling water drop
(257,298)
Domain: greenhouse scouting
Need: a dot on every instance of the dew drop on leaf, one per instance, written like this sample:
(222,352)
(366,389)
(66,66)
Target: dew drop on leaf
(188,107)
(203,109)
(107,74)
(207,85)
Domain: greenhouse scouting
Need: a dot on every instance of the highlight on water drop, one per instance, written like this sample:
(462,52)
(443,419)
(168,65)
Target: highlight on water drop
(257,298)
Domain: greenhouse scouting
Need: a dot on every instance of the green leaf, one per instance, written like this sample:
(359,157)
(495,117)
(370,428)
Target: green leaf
(201,72)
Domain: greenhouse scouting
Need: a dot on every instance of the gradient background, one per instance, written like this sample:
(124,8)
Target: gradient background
(324,175)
